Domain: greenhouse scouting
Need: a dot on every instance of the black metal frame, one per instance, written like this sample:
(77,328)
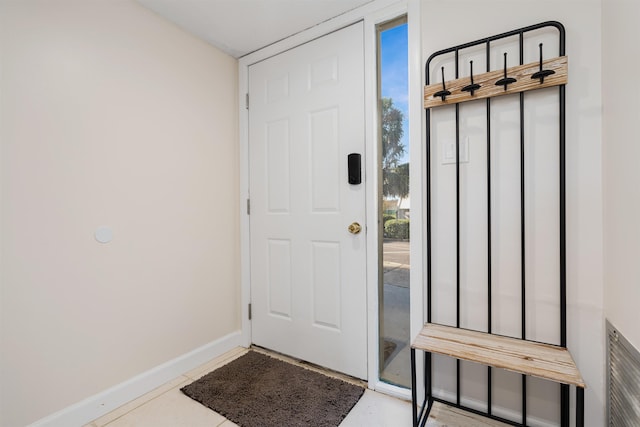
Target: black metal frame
(421,417)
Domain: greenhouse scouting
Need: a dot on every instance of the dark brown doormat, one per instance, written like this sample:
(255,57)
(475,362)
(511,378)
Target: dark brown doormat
(258,390)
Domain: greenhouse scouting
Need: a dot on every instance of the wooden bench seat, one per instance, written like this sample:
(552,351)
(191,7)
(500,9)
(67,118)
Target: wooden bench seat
(524,357)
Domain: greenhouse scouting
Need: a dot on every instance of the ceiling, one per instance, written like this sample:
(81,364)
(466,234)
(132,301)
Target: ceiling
(239,27)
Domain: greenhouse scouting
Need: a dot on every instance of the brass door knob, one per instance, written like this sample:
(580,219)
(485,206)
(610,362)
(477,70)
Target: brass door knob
(354,228)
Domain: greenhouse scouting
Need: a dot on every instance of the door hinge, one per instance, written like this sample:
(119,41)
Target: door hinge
(248,207)
(249,311)
(246,101)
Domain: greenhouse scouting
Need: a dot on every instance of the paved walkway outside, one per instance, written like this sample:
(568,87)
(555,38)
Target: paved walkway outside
(395,313)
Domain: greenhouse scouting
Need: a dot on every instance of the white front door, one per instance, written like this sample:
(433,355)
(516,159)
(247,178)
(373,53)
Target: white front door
(308,274)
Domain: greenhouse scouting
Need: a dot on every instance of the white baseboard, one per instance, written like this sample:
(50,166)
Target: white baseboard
(100,404)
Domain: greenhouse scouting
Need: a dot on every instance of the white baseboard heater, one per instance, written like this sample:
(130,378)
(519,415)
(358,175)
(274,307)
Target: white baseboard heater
(623,380)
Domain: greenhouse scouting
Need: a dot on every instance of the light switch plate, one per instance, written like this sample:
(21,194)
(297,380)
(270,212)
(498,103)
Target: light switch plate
(449,151)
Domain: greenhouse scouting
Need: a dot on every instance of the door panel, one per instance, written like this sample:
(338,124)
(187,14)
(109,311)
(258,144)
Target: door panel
(308,275)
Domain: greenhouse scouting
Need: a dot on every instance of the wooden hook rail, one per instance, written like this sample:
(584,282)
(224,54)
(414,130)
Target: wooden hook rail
(523,74)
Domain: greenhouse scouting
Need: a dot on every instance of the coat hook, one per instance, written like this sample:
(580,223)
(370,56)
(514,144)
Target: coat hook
(444,92)
(542,73)
(505,81)
(473,86)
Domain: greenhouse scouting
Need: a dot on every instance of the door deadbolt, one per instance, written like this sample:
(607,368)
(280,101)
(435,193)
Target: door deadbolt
(354,228)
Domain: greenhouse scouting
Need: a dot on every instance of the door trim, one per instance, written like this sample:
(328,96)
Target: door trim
(373,13)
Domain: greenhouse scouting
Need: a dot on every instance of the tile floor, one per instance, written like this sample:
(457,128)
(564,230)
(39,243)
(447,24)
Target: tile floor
(166,406)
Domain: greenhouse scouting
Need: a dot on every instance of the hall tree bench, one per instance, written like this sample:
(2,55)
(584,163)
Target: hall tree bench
(548,361)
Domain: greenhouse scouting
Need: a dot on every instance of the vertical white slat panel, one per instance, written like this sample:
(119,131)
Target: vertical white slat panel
(279,281)
(325,152)
(323,71)
(278,167)
(326,284)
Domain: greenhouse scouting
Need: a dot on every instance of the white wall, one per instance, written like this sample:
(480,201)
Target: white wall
(451,22)
(110,116)
(621,113)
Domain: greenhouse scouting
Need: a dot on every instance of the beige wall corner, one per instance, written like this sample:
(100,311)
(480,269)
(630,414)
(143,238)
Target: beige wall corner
(110,116)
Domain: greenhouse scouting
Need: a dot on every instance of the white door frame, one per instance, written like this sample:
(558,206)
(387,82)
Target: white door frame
(371,14)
